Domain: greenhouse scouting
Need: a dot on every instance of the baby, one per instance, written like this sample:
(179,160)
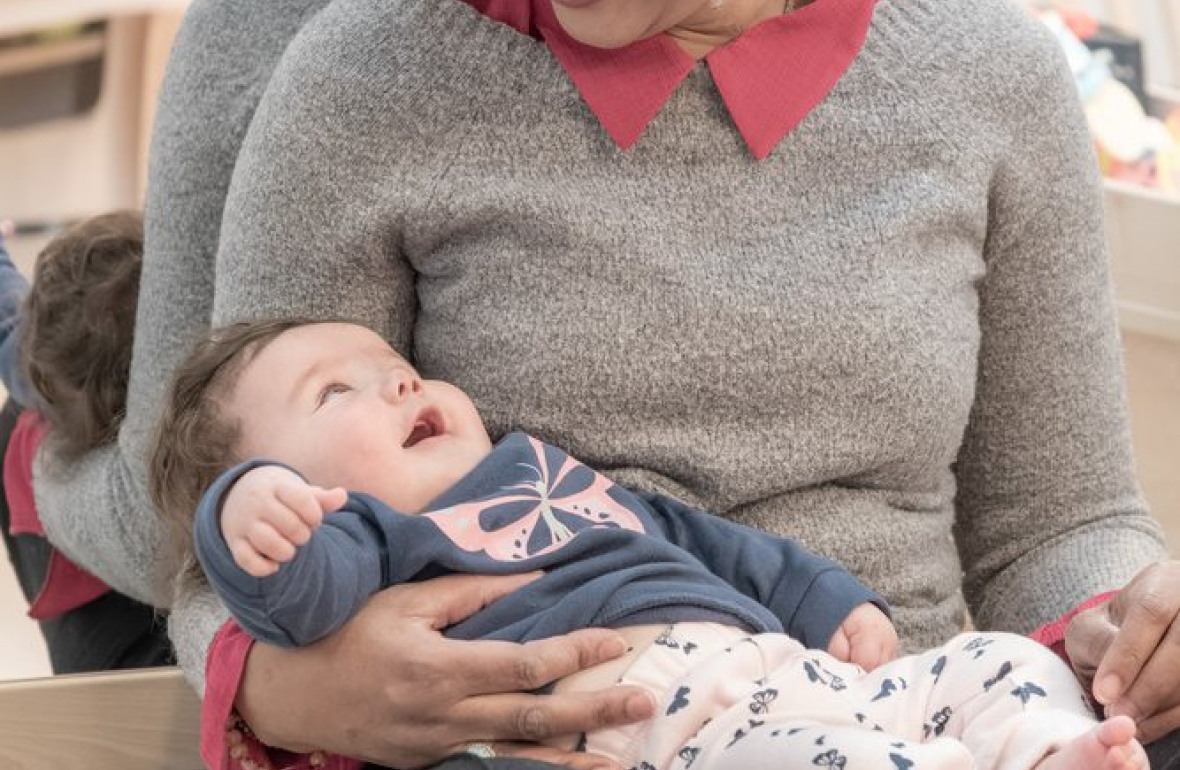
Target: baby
(726,625)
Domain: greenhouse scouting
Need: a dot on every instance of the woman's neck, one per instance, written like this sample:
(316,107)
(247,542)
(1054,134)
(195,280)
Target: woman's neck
(720,21)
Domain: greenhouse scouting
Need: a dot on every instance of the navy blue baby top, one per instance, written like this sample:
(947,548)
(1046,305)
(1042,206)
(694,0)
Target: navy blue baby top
(611,558)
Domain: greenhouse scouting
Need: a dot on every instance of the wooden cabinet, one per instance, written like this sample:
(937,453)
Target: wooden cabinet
(91,159)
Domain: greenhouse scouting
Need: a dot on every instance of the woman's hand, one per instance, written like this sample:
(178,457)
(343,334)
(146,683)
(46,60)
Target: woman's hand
(1128,649)
(866,637)
(389,688)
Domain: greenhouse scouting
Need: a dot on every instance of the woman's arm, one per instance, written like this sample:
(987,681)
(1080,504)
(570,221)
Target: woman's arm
(1048,510)
(96,509)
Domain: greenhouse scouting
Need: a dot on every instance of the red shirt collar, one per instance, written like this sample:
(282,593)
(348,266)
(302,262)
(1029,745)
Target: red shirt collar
(770,78)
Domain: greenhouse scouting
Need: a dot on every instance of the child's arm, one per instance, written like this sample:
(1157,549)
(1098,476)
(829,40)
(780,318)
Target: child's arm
(13,288)
(813,597)
(280,593)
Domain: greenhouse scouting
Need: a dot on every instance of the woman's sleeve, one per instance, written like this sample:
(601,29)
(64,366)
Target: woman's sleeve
(227,743)
(1048,512)
(96,509)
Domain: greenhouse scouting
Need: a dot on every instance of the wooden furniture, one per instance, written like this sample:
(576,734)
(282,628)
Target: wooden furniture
(131,720)
(93,161)
(17,16)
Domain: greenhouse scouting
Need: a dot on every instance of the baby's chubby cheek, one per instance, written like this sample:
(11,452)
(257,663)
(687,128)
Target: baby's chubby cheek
(326,463)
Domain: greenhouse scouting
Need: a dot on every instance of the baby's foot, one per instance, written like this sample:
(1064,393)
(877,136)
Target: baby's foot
(1111,745)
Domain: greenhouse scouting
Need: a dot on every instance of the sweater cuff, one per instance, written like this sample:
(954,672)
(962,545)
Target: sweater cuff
(224,667)
(832,595)
(1052,634)
(227,743)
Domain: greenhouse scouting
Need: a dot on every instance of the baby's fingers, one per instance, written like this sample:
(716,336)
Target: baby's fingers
(888,649)
(878,647)
(305,513)
(252,562)
(839,647)
(330,499)
(269,543)
(865,655)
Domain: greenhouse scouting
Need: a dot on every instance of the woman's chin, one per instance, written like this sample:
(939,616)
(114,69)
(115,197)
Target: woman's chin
(583,25)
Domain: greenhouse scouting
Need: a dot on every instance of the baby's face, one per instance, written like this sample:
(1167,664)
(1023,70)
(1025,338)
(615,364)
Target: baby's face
(339,405)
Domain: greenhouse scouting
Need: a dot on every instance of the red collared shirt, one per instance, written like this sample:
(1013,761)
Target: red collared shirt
(770,78)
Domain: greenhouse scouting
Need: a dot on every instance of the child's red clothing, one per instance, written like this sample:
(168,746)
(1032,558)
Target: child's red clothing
(67,586)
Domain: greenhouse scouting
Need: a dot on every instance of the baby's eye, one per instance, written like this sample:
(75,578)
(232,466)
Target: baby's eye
(329,390)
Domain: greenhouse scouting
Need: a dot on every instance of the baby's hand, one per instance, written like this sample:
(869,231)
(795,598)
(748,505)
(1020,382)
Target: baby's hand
(268,512)
(866,638)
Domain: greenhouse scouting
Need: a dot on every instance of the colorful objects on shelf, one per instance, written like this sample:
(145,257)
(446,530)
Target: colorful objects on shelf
(1132,145)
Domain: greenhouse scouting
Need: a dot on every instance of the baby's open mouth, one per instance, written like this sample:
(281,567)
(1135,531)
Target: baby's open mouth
(428,424)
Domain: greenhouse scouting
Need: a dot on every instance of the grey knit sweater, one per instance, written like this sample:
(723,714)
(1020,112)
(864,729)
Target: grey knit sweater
(892,339)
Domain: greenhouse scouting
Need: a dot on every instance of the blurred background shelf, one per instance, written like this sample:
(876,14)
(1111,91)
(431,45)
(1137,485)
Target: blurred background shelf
(78,81)
(22,16)
(1143,230)
(88,45)
(1146,269)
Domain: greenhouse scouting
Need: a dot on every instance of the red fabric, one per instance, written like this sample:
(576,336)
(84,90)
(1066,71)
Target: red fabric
(1052,635)
(18,473)
(226,741)
(770,78)
(67,586)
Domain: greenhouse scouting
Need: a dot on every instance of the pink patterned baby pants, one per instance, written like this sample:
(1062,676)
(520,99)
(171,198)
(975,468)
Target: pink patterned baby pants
(730,700)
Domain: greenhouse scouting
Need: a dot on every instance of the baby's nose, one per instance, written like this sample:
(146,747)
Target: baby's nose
(401,384)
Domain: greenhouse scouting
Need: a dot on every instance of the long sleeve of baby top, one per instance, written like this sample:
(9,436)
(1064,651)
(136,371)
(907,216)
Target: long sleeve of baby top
(13,288)
(610,557)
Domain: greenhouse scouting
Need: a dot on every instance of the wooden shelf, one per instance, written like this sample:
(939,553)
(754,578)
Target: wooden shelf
(18,17)
(1153,194)
(34,56)
(127,720)
(1143,229)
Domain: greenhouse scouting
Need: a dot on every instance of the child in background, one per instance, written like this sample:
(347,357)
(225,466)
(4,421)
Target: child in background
(13,289)
(65,354)
(726,625)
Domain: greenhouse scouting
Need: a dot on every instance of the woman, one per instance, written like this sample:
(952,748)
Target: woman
(843,281)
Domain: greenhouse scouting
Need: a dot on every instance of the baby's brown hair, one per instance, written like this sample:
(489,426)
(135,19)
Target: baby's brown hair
(195,441)
(79,322)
